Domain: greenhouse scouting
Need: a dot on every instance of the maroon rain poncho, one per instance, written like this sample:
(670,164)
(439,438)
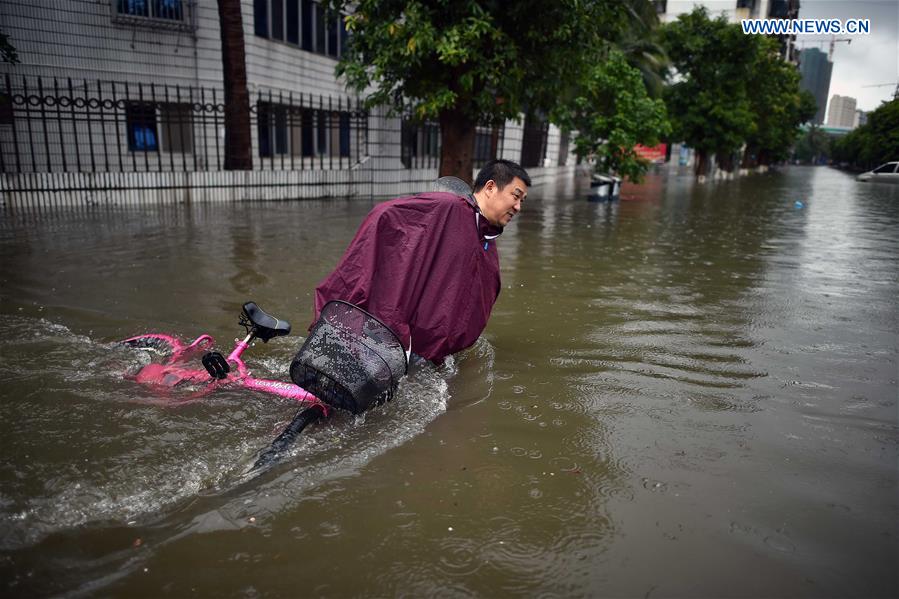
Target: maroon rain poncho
(426,265)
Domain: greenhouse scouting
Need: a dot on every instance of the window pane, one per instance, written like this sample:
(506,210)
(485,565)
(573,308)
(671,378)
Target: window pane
(280,129)
(308,22)
(294,127)
(408,136)
(307,132)
(167,9)
(134,7)
(345,134)
(263,122)
(292,17)
(322,146)
(140,119)
(277,20)
(319,30)
(260,17)
(6,111)
(344,36)
(332,38)
(176,128)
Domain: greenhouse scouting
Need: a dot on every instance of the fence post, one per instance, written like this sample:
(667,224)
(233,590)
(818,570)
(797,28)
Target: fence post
(62,147)
(215,131)
(90,132)
(12,112)
(102,125)
(168,129)
(74,124)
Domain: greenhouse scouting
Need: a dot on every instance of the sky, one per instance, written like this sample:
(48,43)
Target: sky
(868,59)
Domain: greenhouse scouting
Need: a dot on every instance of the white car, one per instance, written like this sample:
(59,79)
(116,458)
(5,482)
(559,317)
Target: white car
(888,172)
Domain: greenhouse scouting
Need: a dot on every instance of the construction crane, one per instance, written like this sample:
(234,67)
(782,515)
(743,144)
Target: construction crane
(895,91)
(833,42)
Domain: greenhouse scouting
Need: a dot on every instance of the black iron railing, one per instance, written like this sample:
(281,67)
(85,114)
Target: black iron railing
(105,126)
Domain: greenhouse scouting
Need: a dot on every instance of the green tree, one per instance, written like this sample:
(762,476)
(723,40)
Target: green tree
(814,146)
(470,62)
(708,101)
(778,104)
(612,112)
(640,44)
(873,143)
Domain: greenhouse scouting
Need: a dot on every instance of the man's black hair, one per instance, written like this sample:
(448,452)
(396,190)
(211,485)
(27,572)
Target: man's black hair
(502,172)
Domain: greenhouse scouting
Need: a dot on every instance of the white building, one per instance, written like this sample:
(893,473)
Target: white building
(733,10)
(841,112)
(107,90)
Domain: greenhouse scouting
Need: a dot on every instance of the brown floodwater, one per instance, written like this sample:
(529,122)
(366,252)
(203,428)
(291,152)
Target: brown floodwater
(690,392)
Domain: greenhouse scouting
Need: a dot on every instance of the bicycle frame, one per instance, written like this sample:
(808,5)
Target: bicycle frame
(175,371)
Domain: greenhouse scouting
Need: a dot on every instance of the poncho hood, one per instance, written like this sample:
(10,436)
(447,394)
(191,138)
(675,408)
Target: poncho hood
(427,266)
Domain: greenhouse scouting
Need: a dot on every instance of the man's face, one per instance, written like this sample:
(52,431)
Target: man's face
(501,205)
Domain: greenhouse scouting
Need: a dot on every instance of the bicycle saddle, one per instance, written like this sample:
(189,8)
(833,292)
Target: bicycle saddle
(264,324)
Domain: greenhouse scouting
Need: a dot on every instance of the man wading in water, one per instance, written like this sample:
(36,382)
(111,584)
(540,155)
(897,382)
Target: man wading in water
(427,265)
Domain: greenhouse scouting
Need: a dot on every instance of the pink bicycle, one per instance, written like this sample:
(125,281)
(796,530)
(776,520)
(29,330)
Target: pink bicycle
(350,360)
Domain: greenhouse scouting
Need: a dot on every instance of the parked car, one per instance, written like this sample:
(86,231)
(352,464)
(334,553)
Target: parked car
(888,172)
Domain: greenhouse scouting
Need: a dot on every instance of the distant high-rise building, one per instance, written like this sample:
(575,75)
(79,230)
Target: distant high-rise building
(816,69)
(842,112)
(861,118)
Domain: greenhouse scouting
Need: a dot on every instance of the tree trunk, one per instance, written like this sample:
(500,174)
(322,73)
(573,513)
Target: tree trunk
(725,161)
(457,143)
(238,142)
(750,157)
(702,163)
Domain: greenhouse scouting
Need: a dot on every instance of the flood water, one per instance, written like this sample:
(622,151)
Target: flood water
(690,392)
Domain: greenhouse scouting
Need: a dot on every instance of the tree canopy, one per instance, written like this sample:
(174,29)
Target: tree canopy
(778,106)
(728,89)
(873,143)
(470,62)
(612,113)
(708,101)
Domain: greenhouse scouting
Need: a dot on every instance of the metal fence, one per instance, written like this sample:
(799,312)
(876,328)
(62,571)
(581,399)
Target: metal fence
(68,126)
(420,143)
(64,126)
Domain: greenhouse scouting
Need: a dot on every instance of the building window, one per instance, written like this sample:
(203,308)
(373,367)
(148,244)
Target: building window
(292,130)
(420,147)
(140,122)
(176,128)
(533,144)
(6,114)
(260,17)
(300,23)
(155,14)
(172,10)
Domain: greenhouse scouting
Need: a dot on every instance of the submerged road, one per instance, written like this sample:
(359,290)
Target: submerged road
(690,392)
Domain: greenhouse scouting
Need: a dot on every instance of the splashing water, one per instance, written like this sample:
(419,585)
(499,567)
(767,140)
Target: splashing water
(111,450)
